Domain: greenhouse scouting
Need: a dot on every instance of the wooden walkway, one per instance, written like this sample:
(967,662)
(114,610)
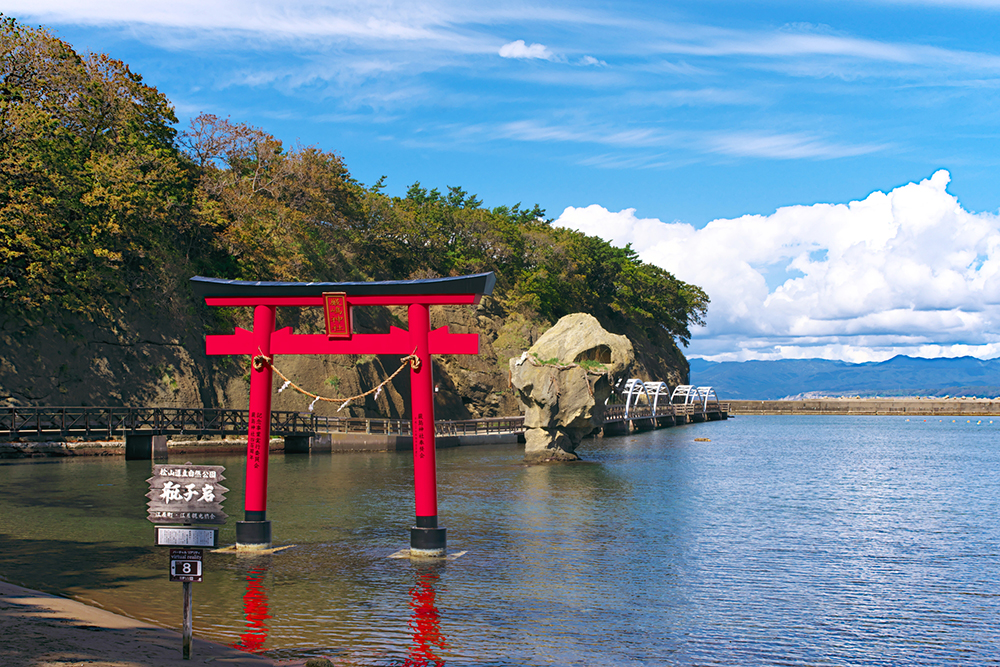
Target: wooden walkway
(104,422)
(96,423)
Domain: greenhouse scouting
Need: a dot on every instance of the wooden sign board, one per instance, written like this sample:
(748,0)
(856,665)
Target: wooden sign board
(186,494)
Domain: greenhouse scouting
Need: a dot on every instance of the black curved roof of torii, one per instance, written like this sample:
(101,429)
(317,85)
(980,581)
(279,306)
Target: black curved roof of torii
(479,283)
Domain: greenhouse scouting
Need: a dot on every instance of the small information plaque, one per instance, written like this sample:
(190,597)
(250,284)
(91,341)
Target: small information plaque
(183,536)
(186,565)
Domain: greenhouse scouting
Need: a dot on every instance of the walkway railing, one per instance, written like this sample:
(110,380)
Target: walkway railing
(98,422)
(104,422)
(617,412)
(496,425)
(88,422)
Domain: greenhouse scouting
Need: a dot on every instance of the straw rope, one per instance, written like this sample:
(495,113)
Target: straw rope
(261,361)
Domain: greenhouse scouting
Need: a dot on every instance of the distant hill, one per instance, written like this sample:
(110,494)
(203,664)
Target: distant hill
(804,378)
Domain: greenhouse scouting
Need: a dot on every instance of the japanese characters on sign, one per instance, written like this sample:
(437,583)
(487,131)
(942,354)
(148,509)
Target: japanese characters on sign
(183,536)
(338,315)
(186,494)
(257,440)
(419,436)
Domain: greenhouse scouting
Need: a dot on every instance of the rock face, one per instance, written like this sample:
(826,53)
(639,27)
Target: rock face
(562,382)
(151,352)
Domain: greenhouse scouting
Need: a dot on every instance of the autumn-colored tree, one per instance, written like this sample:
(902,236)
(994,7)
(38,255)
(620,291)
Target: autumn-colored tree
(278,213)
(90,180)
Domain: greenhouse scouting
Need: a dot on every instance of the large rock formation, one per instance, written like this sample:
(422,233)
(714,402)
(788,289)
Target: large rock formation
(562,382)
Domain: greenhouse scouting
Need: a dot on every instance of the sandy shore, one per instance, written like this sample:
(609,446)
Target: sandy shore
(42,630)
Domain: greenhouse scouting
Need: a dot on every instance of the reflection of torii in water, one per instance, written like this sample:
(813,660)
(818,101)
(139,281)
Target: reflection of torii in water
(337,299)
(425,623)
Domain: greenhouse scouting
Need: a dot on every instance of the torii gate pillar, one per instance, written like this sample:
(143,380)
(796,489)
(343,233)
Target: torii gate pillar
(264,343)
(426,538)
(255,531)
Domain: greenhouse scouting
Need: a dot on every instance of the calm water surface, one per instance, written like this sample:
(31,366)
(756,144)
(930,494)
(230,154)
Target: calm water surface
(782,541)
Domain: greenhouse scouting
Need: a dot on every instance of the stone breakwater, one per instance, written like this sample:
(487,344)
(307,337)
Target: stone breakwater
(920,407)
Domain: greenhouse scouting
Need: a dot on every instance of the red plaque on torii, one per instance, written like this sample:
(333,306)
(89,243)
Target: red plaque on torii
(337,300)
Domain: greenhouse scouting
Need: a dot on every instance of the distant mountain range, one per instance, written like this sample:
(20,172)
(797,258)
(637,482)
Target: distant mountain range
(807,378)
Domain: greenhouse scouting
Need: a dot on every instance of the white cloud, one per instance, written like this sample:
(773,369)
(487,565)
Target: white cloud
(910,271)
(591,61)
(772,146)
(518,49)
(782,146)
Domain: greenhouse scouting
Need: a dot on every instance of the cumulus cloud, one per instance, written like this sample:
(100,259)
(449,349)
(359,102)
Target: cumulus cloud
(519,49)
(905,272)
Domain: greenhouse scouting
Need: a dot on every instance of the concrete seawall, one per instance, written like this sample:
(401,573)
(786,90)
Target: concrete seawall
(923,407)
(322,442)
(371,442)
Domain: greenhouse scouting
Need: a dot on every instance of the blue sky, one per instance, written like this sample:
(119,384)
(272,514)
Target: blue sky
(722,139)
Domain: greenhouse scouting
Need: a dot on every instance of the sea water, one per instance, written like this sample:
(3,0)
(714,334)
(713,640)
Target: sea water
(779,541)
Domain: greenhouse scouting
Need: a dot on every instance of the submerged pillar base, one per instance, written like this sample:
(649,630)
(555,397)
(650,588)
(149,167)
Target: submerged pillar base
(253,535)
(142,447)
(427,542)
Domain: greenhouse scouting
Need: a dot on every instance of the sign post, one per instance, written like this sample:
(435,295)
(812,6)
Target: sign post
(188,627)
(187,494)
(185,567)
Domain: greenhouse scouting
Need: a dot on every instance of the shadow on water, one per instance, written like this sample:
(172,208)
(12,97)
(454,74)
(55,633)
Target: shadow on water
(58,566)
(118,488)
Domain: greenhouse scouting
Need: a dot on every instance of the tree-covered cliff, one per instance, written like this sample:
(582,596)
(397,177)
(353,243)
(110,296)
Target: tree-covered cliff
(106,209)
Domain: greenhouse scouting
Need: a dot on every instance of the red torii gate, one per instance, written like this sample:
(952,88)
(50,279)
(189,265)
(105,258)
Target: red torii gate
(337,299)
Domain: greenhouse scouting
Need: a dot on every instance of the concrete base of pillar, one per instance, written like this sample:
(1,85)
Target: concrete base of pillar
(321,442)
(297,444)
(427,542)
(145,447)
(643,424)
(253,535)
(616,428)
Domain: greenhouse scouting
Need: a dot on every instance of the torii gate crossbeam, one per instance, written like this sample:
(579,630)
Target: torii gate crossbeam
(426,537)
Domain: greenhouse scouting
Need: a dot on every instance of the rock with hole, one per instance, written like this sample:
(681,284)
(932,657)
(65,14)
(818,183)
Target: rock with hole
(562,382)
